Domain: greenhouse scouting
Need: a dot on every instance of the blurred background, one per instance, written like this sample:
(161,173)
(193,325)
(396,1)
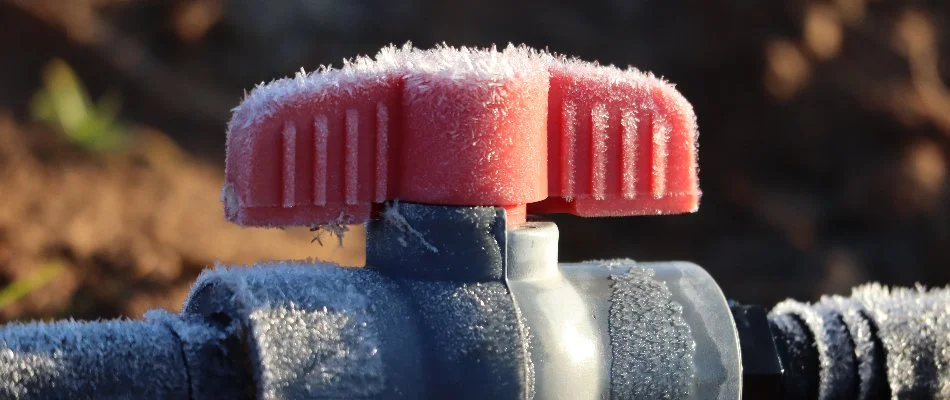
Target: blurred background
(825,131)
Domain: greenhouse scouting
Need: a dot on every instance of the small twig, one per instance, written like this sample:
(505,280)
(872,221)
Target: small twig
(337,228)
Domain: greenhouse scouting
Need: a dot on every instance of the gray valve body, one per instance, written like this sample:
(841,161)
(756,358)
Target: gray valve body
(600,329)
(451,305)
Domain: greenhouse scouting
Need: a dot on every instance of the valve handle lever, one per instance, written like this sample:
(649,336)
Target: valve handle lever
(513,128)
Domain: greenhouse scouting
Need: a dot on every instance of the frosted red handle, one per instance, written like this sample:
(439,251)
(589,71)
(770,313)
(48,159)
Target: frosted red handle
(460,127)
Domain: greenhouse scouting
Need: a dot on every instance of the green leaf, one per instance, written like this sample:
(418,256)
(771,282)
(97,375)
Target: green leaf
(64,103)
(31,282)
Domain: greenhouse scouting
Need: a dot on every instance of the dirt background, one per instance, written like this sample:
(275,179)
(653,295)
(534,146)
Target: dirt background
(825,130)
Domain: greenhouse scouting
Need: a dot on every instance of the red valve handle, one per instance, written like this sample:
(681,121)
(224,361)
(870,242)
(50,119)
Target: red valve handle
(460,127)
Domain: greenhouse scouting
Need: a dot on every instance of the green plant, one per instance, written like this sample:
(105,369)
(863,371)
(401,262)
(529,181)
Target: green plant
(29,283)
(63,102)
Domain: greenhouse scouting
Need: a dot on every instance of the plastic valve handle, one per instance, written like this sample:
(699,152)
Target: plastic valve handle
(458,126)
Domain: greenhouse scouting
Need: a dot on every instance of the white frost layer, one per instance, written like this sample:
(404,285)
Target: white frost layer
(464,65)
(911,326)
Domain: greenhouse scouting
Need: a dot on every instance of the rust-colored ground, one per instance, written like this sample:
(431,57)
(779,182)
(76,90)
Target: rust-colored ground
(131,230)
(825,134)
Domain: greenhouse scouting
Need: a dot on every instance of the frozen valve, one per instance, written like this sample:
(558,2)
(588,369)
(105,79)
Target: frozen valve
(459,126)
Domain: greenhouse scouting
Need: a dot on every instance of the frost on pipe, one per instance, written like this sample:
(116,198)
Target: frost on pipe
(69,360)
(317,330)
(460,126)
(717,370)
(320,331)
(669,331)
(898,337)
(650,337)
(836,373)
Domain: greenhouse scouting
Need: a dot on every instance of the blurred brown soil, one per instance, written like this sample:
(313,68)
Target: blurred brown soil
(133,229)
(825,133)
